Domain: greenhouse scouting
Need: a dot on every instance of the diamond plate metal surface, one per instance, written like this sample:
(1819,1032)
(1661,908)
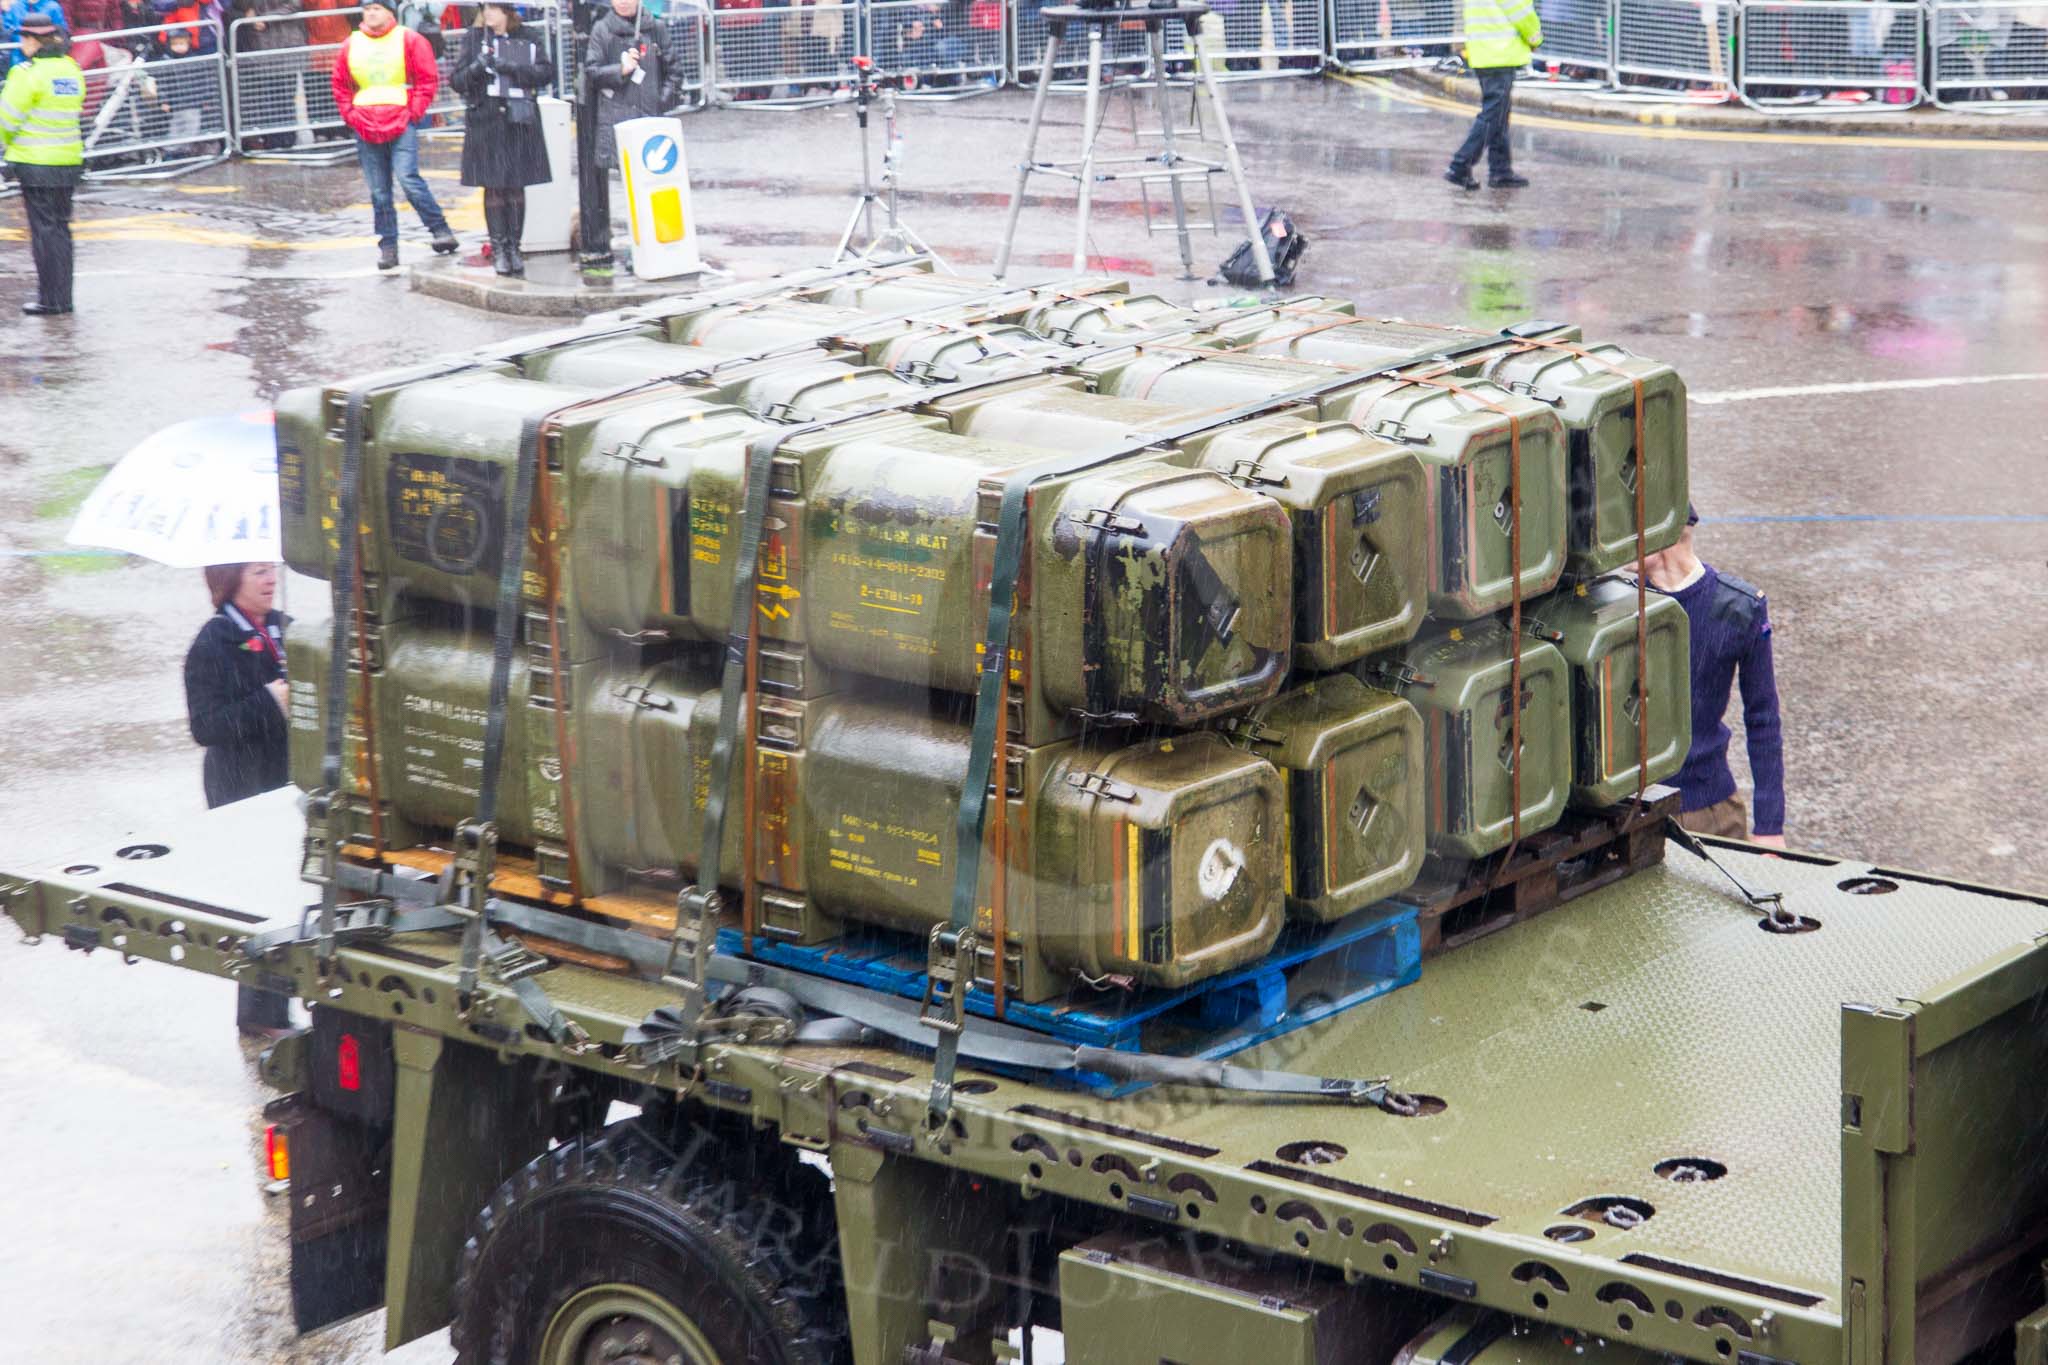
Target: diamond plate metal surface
(1711,1039)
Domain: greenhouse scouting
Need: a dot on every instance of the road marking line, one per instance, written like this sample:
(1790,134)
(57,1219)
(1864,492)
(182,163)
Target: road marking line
(1438,102)
(1890,518)
(1873,386)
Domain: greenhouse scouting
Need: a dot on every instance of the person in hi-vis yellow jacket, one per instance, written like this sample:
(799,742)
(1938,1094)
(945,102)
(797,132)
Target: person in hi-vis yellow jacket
(1498,37)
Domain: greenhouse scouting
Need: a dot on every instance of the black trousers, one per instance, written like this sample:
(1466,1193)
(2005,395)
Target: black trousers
(49,241)
(593,187)
(1490,129)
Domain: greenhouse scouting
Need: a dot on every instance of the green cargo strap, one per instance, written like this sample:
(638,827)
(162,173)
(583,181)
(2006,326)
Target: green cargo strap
(1009,553)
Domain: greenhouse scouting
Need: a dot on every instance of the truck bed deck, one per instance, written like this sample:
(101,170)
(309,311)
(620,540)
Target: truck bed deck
(1646,1048)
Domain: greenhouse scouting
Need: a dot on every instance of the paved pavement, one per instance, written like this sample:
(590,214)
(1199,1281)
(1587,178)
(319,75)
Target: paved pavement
(1859,321)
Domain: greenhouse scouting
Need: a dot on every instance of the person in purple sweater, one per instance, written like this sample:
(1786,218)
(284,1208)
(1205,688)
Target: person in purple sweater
(1731,636)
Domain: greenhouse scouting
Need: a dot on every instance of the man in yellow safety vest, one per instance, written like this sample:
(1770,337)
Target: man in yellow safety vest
(39,111)
(384,83)
(1498,37)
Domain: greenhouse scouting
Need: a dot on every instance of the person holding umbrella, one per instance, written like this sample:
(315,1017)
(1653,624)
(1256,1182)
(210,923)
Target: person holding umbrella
(39,112)
(498,73)
(235,703)
(203,494)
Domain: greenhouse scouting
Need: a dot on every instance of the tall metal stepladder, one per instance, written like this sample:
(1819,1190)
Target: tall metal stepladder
(1167,166)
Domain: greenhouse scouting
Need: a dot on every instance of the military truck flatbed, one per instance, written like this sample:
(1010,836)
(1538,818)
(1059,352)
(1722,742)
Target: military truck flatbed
(1643,1118)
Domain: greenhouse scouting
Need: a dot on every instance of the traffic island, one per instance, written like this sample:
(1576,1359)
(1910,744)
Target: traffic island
(554,286)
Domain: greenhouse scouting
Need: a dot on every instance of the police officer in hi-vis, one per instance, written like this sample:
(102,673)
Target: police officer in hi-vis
(39,112)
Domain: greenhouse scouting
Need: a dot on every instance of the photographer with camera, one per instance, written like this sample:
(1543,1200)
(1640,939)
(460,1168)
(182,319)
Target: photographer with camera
(499,73)
(626,76)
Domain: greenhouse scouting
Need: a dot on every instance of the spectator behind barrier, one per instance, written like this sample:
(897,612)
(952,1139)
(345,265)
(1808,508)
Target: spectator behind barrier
(203,15)
(93,16)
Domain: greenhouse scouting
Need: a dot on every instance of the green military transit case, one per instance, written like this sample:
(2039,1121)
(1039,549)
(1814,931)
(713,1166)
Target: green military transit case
(1460,680)
(1594,390)
(1593,626)
(1155,593)
(1464,440)
(1355,768)
(1160,861)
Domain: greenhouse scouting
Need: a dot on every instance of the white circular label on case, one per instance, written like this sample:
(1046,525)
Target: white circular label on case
(1220,865)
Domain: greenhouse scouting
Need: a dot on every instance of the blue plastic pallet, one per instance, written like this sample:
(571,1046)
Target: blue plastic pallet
(1311,974)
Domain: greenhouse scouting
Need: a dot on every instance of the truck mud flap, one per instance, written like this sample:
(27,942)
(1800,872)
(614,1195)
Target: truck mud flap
(340,1206)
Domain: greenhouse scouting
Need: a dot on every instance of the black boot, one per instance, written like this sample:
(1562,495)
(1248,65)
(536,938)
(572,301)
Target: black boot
(515,230)
(494,224)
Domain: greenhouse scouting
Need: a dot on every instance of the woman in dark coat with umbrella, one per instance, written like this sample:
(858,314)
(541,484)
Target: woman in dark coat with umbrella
(498,75)
(235,702)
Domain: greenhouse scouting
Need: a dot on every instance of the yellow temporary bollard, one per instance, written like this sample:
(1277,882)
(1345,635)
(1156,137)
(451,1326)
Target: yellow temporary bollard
(658,198)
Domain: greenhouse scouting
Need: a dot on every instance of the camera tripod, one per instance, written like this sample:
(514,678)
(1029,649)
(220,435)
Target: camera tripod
(870,86)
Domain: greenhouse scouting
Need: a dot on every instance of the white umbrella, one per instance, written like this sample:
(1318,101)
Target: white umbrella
(198,493)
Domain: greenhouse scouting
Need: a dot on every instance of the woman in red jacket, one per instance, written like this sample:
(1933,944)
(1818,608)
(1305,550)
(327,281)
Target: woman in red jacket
(384,83)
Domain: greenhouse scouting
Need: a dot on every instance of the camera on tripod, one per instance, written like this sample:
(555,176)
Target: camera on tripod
(868,81)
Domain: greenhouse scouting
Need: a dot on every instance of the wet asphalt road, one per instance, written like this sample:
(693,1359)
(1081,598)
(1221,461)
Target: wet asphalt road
(1901,533)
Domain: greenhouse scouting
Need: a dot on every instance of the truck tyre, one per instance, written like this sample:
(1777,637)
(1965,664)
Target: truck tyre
(612,1248)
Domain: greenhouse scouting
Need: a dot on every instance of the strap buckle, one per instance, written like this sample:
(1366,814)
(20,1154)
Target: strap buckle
(1109,519)
(1528,390)
(466,889)
(689,950)
(1396,676)
(1101,786)
(1393,429)
(629,453)
(1248,730)
(950,956)
(1249,473)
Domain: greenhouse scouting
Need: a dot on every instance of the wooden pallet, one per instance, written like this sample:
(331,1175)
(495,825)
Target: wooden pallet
(1583,852)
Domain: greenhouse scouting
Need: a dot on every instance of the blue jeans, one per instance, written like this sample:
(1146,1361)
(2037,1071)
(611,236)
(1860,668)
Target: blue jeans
(1490,129)
(381,161)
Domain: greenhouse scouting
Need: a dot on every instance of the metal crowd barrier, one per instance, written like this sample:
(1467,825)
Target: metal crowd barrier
(1787,50)
(954,47)
(147,111)
(1261,38)
(789,54)
(684,35)
(1387,35)
(261,85)
(1989,56)
(1123,48)
(282,69)
(1578,40)
(1672,40)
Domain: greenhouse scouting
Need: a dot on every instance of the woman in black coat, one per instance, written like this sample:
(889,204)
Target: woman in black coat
(498,74)
(235,702)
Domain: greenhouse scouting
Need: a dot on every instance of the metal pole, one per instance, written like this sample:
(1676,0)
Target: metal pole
(1084,185)
(1260,255)
(1052,44)
(1155,37)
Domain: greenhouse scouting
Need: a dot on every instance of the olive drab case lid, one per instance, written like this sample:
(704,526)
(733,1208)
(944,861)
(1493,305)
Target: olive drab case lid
(1594,391)
(1460,680)
(1352,757)
(1593,626)
(1361,540)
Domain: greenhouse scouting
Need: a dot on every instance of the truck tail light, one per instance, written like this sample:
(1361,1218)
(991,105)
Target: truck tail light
(277,1153)
(348,1063)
